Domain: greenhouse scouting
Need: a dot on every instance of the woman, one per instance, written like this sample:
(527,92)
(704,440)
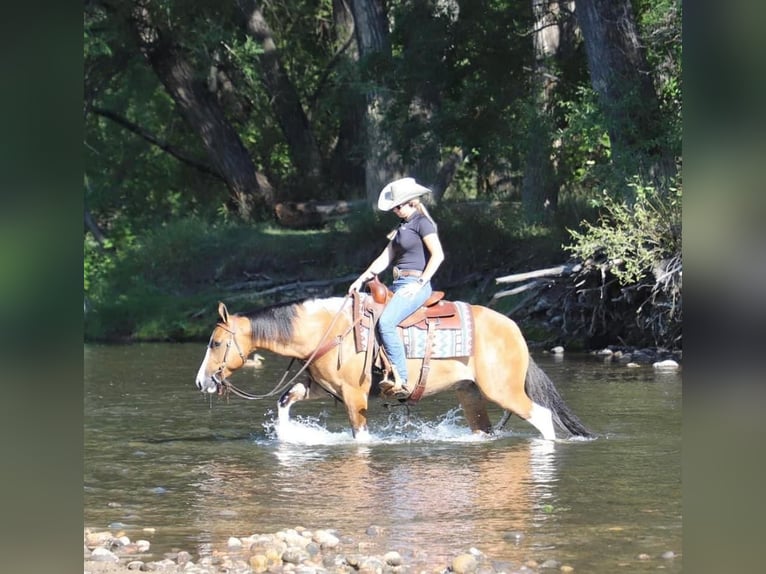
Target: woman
(416,253)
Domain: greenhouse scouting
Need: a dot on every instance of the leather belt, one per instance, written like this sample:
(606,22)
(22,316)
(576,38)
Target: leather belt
(406,273)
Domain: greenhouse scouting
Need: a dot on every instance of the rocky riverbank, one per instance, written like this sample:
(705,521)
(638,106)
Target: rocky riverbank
(292,551)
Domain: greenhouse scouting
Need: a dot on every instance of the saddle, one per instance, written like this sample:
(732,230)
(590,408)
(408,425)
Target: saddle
(434,313)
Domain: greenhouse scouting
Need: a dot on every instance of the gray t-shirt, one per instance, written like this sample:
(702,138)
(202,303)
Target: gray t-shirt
(409,250)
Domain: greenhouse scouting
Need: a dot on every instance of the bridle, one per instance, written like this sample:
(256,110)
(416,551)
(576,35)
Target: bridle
(217,376)
(225,386)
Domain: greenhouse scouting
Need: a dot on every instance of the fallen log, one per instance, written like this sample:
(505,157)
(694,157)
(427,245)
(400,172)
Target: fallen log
(549,272)
(516,290)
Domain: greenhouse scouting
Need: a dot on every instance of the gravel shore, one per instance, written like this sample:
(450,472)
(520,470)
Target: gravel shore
(293,551)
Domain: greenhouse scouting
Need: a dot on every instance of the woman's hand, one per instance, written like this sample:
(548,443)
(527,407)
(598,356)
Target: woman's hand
(357,285)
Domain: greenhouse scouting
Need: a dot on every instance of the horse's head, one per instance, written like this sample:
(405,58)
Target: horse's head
(226,352)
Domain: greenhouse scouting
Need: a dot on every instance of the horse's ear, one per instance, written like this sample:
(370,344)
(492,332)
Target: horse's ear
(223,312)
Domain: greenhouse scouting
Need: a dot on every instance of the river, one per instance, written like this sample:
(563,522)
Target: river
(198,469)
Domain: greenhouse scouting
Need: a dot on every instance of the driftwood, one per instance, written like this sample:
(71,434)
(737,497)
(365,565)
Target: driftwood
(585,302)
(549,272)
(516,290)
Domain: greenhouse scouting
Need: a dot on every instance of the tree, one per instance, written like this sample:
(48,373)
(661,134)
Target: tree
(201,111)
(539,191)
(622,79)
(286,103)
(381,161)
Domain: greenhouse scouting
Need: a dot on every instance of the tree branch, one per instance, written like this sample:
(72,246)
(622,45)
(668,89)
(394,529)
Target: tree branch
(166,147)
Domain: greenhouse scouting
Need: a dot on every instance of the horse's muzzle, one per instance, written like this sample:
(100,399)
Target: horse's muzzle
(209,385)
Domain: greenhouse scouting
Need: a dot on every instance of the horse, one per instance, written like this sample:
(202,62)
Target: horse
(319,332)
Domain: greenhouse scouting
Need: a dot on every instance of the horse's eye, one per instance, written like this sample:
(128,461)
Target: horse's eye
(216,344)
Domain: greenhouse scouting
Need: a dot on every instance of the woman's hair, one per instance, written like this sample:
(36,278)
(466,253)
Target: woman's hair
(420,206)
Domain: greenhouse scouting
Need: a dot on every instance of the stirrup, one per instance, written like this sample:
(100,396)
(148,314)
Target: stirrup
(396,390)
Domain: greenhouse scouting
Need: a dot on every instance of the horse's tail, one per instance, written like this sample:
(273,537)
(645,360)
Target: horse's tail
(541,390)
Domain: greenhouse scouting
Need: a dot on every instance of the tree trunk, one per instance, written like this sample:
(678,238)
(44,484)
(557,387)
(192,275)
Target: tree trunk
(539,194)
(203,114)
(347,165)
(286,103)
(381,161)
(622,79)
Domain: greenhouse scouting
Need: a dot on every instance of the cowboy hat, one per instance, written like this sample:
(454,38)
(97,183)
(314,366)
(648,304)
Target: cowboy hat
(400,191)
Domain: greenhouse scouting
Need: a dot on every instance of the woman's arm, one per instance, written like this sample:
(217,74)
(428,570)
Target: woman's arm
(434,246)
(379,264)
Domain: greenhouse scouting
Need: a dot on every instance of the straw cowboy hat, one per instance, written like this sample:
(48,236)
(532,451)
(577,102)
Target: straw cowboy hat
(400,191)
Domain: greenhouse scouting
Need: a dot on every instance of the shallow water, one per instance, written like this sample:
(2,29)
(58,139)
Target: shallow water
(198,469)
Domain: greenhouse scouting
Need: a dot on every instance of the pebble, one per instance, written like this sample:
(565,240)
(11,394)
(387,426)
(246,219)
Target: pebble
(666,365)
(302,551)
(393,558)
(103,555)
(464,564)
(234,542)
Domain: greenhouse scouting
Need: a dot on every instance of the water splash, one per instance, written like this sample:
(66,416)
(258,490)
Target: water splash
(400,427)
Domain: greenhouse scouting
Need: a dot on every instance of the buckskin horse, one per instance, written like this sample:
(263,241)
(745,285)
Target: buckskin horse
(324,334)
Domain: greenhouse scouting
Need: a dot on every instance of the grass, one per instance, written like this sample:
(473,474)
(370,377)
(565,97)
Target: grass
(166,285)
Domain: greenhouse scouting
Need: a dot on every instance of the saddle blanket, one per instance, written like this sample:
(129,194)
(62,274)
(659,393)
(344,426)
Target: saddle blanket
(447,343)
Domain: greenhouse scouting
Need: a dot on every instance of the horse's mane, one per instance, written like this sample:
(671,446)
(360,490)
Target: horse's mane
(275,322)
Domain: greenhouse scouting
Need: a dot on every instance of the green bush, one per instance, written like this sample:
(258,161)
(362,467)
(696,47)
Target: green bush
(635,238)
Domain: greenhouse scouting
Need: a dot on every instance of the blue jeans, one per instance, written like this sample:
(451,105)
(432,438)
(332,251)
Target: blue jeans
(394,313)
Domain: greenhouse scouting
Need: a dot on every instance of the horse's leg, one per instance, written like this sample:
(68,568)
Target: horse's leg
(304,391)
(297,392)
(355,399)
(500,342)
(474,406)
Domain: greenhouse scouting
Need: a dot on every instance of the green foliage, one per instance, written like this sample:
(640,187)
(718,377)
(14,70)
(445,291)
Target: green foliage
(155,287)
(584,149)
(456,81)
(634,238)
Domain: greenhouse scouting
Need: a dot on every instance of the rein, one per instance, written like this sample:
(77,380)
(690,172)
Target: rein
(321,349)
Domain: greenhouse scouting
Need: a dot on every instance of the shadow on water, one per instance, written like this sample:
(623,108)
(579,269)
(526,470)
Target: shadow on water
(197,471)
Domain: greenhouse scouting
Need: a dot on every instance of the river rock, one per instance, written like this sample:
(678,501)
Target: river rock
(163,565)
(326,539)
(558,350)
(294,555)
(371,565)
(234,542)
(464,564)
(393,558)
(666,365)
(101,554)
(259,563)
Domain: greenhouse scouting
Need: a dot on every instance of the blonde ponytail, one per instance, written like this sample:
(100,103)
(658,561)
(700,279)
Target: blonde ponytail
(424,211)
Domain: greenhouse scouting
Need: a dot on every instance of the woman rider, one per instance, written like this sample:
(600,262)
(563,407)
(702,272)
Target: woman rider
(415,251)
